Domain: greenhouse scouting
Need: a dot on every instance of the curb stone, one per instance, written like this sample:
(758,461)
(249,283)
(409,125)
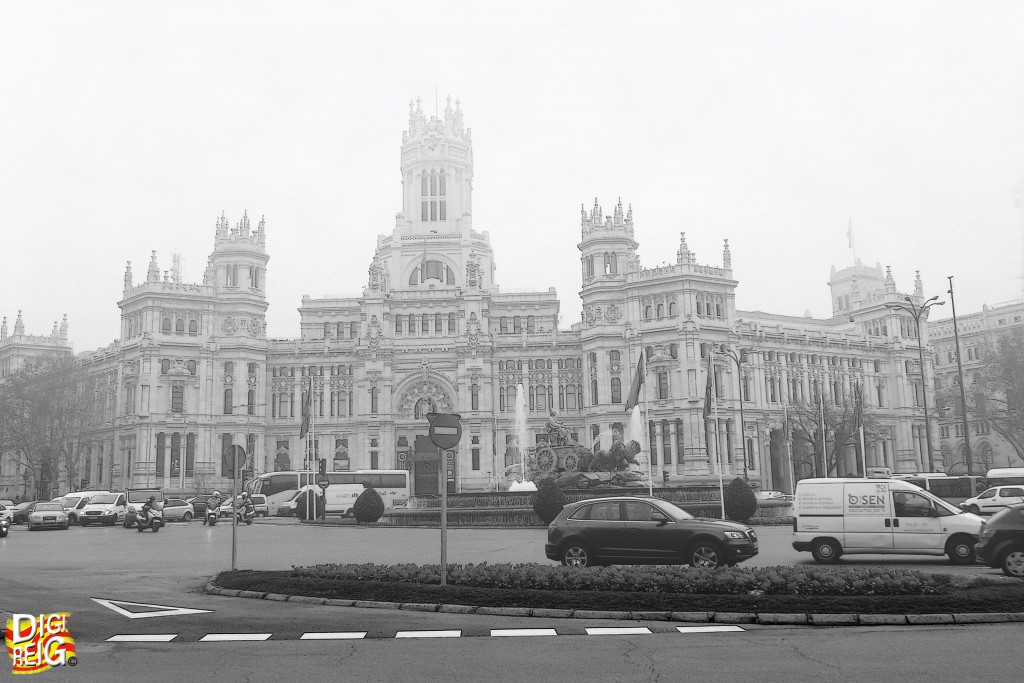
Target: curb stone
(766,618)
(919,619)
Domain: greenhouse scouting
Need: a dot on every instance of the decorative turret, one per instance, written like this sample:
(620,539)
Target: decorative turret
(683,255)
(243,225)
(918,285)
(55,330)
(890,284)
(3,329)
(153,273)
(261,231)
(209,274)
(618,221)
(222,227)
(726,257)
(64,327)
(19,326)
(608,247)
(127,278)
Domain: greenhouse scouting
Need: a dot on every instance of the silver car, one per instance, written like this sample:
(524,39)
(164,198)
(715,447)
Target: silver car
(178,510)
(48,516)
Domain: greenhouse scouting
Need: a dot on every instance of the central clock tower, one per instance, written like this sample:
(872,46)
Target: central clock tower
(437,173)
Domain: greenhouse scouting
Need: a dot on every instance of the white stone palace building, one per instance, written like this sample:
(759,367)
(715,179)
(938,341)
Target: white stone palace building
(194,370)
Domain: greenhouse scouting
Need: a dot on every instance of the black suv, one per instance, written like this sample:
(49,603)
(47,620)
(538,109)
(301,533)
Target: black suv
(642,530)
(1001,543)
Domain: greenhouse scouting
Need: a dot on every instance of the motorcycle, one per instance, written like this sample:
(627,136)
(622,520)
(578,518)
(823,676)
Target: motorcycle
(154,520)
(246,514)
(211,516)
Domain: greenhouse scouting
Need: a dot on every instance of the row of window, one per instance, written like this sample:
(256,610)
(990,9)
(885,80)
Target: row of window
(433,193)
(337,330)
(609,263)
(425,324)
(313,370)
(514,324)
(256,276)
(659,310)
(179,326)
(541,397)
(540,364)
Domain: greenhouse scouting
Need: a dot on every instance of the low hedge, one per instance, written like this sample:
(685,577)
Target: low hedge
(953,594)
(642,579)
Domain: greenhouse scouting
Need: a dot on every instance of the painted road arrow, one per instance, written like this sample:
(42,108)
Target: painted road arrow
(151,610)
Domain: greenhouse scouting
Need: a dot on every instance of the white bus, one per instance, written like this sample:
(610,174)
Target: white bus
(1005,476)
(281,488)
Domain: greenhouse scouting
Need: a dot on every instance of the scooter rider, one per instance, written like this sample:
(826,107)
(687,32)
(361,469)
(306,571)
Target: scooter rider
(245,505)
(212,505)
(146,507)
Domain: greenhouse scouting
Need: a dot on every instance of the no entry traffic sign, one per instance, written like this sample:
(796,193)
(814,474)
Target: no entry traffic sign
(445,429)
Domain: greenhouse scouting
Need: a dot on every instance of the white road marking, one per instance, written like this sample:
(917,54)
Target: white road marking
(154,611)
(708,629)
(143,638)
(429,634)
(328,635)
(619,631)
(226,637)
(523,632)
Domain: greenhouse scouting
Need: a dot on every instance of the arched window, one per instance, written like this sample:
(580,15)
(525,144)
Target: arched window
(661,310)
(165,366)
(474,396)
(616,390)
(449,274)
(251,402)
(228,407)
(647,313)
(593,392)
(615,263)
(671,308)
(607,263)
(707,309)
(193,327)
(165,327)
(613,356)
(191,367)
(374,391)
(414,278)
(673,350)
(718,310)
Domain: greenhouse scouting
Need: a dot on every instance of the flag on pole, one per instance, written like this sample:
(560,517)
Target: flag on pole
(849,233)
(858,407)
(638,379)
(307,409)
(821,427)
(707,388)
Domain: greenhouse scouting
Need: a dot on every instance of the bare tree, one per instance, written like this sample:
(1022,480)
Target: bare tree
(841,431)
(44,412)
(1000,400)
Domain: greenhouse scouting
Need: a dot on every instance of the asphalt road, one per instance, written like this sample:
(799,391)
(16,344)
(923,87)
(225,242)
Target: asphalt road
(70,570)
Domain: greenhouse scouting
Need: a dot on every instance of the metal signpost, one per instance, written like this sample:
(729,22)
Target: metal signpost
(445,432)
(233,460)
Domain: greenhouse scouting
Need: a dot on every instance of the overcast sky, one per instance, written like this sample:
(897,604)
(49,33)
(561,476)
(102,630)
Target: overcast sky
(128,127)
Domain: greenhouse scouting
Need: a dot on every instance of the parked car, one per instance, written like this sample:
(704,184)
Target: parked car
(6,503)
(7,512)
(48,515)
(994,499)
(259,501)
(178,510)
(104,508)
(1001,544)
(20,512)
(643,530)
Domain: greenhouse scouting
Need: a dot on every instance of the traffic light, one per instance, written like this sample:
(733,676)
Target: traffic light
(323,466)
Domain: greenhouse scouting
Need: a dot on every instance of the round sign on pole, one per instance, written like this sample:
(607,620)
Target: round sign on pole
(323,483)
(445,429)
(234,458)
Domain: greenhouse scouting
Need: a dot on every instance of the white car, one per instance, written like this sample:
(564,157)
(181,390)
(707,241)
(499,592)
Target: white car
(104,508)
(994,499)
(178,510)
(6,512)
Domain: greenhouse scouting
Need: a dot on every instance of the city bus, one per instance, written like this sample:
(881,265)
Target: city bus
(1006,476)
(954,490)
(282,488)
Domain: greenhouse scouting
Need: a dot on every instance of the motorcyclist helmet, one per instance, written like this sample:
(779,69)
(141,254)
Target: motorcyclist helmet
(245,495)
(216,493)
(152,499)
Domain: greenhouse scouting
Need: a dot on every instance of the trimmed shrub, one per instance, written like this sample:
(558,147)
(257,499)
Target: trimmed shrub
(549,500)
(302,507)
(369,507)
(740,501)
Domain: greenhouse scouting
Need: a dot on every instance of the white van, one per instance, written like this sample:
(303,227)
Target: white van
(833,517)
(339,499)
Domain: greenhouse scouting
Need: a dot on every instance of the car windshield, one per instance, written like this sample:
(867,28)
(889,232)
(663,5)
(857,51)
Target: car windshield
(49,507)
(104,499)
(70,501)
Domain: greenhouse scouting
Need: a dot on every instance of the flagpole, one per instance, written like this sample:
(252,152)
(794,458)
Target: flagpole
(718,443)
(647,434)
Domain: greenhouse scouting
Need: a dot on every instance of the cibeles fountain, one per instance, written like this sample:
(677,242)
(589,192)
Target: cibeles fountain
(522,482)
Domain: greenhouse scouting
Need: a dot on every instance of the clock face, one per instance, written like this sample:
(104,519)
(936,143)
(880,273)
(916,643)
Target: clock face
(433,148)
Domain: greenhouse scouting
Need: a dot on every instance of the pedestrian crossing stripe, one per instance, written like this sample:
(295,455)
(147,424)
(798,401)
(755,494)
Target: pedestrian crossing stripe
(454,633)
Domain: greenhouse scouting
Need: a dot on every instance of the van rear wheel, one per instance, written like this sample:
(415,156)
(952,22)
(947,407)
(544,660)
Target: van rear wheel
(825,551)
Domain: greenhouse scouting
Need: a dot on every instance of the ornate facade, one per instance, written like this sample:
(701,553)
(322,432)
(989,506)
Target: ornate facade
(433,332)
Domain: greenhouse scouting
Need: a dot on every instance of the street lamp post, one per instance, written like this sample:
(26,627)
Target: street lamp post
(738,358)
(968,456)
(916,312)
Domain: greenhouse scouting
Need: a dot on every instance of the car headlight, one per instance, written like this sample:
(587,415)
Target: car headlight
(108,511)
(736,535)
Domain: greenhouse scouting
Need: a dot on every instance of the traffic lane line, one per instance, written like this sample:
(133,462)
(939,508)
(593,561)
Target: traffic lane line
(708,629)
(142,638)
(328,635)
(619,631)
(429,634)
(230,637)
(524,632)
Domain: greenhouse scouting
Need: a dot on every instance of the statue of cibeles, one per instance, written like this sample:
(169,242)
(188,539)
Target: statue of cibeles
(555,426)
